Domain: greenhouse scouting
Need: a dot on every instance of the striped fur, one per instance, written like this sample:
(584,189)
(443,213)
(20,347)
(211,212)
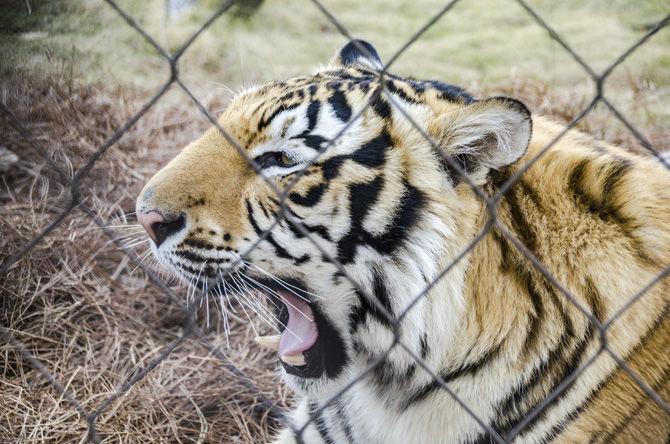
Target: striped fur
(392,209)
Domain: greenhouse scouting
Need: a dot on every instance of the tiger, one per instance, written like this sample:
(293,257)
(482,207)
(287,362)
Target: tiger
(439,268)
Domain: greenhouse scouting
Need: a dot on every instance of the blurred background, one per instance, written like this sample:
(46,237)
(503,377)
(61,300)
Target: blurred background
(72,73)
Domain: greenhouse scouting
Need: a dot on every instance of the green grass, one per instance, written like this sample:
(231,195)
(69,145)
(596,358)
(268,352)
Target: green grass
(479,44)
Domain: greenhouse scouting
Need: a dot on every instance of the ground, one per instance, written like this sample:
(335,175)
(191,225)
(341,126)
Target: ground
(73,72)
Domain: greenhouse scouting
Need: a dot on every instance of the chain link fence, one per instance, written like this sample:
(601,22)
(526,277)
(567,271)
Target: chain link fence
(192,331)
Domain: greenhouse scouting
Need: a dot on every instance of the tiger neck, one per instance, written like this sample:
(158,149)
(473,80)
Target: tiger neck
(507,290)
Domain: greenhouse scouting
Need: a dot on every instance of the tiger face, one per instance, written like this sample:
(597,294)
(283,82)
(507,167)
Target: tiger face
(346,213)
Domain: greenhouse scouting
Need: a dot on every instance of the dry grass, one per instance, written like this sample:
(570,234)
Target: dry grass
(77,304)
(90,315)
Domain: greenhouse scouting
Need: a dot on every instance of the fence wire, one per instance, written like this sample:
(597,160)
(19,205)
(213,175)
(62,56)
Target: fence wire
(192,331)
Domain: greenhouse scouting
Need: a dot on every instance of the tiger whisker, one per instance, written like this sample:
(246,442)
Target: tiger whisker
(239,293)
(127,235)
(276,294)
(286,285)
(206,300)
(229,304)
(135,243)
(142,257)
(197,281)
(124,226)
(268,313)
(281,323)
(219,301)
(125,238)
(255,282)
(286,301)
(242,278)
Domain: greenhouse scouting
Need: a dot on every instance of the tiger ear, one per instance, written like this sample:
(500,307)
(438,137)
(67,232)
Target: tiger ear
(358,52)
(483,136)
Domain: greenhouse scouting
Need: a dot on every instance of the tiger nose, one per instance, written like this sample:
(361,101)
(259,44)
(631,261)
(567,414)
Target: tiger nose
(159,227)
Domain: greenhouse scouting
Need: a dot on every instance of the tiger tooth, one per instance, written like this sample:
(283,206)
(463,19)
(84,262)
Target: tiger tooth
(296,359)
(271,342)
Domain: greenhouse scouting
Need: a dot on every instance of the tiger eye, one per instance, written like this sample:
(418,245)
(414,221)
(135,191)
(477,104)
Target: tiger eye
(286,160)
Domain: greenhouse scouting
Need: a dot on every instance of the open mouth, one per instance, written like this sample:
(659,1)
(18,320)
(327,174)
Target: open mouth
(298,330)
(308,345)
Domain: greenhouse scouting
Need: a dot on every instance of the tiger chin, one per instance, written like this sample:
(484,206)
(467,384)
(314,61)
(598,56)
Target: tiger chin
(383,184)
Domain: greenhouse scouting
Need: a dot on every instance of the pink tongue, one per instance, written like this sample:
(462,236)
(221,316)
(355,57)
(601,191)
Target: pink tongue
(300,332)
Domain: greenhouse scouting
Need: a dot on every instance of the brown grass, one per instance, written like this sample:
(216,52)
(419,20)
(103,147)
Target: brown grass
(91,316)
(79,307)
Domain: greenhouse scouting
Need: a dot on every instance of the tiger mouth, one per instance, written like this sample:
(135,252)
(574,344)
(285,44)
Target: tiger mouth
(308,344)
(296,344)
(298,329)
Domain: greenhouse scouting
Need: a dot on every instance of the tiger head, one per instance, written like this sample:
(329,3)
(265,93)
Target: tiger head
(339,198)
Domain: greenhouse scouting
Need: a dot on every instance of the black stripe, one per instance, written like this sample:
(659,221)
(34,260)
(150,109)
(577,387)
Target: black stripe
(381,107)
(385,375)
(570,365)
(193,257)
(526,235)
(317,229)
(204,271)
(519,222)
(362,196)
(302,259)
(313,141)
(321,230)
(340,105)
(407,215)
(605,208)
(344,421)
(359,313)
(393,88)
(364,86)
(424,345)
(330,168)
(512,262)
(451,92)
(279,250)
(373,153)
(286,97)
(334,85)
(509,412)
(320,423)
(312,197)
(602,208)
(613,180)
(380,291)
(559,358)
(264,210)
(267,120)
(574,414)
(623,425)
(196,243)
(447,376)
(536,318)
(472,367)
(312,114)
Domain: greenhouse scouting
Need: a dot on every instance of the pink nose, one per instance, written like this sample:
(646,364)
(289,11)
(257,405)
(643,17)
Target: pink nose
(148,221)
(159,227)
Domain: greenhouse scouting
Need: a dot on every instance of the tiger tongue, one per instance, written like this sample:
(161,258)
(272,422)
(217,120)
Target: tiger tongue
(300,332)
